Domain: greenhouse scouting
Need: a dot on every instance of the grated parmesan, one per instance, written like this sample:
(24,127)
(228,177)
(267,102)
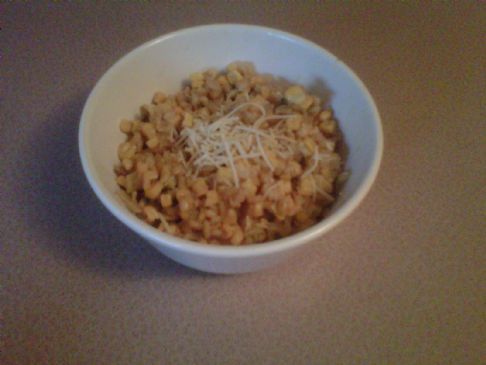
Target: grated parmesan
(228,139)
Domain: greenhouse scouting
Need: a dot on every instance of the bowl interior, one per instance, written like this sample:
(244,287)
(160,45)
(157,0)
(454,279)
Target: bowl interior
(164,63)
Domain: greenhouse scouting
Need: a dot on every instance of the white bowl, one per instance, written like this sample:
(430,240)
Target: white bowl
(163,63)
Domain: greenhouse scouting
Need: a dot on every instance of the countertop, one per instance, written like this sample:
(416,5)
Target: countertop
(401,281)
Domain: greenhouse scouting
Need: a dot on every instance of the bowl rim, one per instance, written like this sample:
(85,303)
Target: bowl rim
(223,251)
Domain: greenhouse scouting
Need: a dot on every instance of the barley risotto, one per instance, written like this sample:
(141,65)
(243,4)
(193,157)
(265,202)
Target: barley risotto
(235,157)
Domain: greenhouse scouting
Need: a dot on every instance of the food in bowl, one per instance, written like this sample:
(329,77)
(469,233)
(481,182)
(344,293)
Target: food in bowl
(235,157)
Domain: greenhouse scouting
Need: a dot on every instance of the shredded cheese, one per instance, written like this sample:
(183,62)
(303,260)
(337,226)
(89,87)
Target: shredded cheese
(228,139)
(325,194)
(164,222)
(316,158)
(231,163)
(315,161)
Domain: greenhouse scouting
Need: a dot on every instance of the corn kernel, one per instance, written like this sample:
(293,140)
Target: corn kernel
(200,187)
(295,95)
(237,237)
(325,115)
(328,126)
(151,213)
(120,180)
(306,186)
(294,123)
(224,174)
(231,217)
(148,177)
(166,200)
(154,191)
(159,98)
(310,144)
(187,122)
(125,126)
(249,187)
(307,103)
(212,198)
(195,225)
(172,118)
(197,80)
(152,142)
(148,130)
(234,76)
(256,210)
(127,164)
(228,230)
